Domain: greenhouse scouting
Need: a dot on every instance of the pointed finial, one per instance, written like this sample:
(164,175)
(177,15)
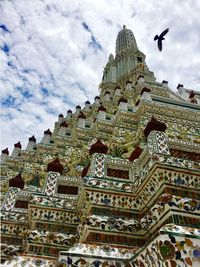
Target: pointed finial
(82,116)
(124,26)
(48,132)
(98,147)
(18,145)
(64,124)
(32,139)
(101,108)
(179,86)
(5,151)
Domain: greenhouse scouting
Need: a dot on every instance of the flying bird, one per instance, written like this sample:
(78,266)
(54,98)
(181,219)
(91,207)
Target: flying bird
(160,38)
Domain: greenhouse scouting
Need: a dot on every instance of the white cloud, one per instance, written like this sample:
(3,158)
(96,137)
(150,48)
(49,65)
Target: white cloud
(50,66)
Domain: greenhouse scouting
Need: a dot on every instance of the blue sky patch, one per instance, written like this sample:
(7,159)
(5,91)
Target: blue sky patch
(38,118)
(7,117)
(24,92)
(45,91)
(4,27)
(5,48)
(26,71)
(8,101)
(51,111)
(10,64)
(86,27)
(83,56)
(79,86)
(27,94)
(93,42)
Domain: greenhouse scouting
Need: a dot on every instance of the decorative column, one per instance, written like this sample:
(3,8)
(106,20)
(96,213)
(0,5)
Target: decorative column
(60,118)
(46,137)
(101,113)
(157,143)
(113,70)
(54,169)
(16,150)
(97,100)
(87,105)
(4,155)
(122,103)
(78,109)
(180,88)
(9,201)
(69,114)
(98,151)
(165,83)
(31,143)
(107,96)
(128,86)
(81,120)
(145,90)
(62,129)
(146,97)
(141,79)
(117,92)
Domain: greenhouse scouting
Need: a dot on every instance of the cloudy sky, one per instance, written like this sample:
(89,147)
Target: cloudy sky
(52,54)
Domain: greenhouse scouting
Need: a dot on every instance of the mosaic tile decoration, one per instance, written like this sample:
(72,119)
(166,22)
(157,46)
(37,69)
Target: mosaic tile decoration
(51,183)
(99,167)
(157,143)
(10,198)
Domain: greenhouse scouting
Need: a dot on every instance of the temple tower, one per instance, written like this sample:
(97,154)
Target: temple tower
(129,61)
(115,183)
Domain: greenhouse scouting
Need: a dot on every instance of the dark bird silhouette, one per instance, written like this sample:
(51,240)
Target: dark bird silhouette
(160,38)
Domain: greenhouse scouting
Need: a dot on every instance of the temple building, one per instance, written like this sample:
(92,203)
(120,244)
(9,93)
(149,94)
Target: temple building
(116,183)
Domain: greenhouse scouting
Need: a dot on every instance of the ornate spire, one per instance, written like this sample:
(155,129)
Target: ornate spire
(125,41)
